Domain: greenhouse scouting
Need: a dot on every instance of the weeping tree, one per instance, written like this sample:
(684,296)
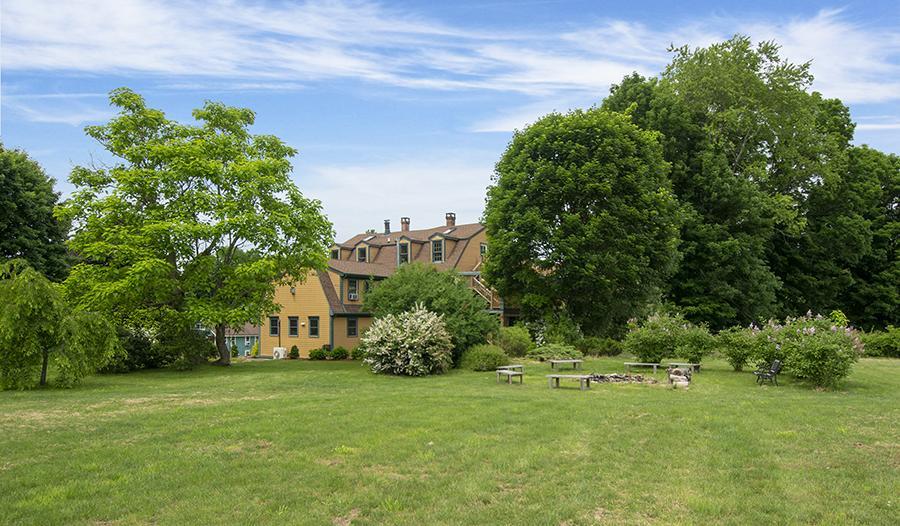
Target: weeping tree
(191,223)
(38,329)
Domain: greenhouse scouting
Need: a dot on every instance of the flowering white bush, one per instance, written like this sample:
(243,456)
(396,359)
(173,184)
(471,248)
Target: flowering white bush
(412,343)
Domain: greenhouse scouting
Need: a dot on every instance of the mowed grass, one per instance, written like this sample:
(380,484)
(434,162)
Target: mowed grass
(330,443)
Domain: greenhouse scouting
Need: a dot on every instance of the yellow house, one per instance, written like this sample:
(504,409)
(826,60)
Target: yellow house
(325,307)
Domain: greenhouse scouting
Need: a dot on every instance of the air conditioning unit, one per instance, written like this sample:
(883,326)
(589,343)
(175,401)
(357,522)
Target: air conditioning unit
(278,353)
(353,296)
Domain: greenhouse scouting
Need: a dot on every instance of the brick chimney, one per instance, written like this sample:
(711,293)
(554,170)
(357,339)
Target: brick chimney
(451,219)
(404,224)
(387,226)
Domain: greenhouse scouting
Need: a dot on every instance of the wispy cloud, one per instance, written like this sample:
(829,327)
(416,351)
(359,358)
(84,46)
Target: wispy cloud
(289,45)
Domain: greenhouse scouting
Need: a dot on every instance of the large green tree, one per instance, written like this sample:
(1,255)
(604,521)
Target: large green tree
(581,220)
(28,229)
(746,140)
(191,223)
(38,328)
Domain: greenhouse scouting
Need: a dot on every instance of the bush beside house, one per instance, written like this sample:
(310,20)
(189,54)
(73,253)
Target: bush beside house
(413,343)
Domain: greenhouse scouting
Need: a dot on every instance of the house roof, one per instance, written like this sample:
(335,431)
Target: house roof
(334,301)
(248,329)
(419,236)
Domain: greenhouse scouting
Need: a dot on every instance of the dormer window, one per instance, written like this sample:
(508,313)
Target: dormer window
(362,254)
(482,250)
(437,251)
(335,253)
(403,253)
(352,290)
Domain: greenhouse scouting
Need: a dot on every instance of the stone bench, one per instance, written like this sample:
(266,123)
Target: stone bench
(584,380)
(576,364)
(510,374)
(629,365)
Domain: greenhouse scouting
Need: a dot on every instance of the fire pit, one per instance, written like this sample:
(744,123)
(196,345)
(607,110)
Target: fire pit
(617,378)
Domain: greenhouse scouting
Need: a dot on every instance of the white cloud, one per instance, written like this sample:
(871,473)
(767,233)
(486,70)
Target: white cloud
(421,189)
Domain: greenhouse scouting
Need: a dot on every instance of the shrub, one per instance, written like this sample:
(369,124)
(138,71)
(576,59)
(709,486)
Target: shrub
(595,346)
(234,350)
(443,292)
(318,354)
(740,345)
(554,351)
(190,347)
(294,352)
(664,335)
(515,341)
(560,329)
(358,353)
(816,349)
(413,343)
(138,352)
(254,351)
(882,343)
(484,358)
(339,353)
(694,342)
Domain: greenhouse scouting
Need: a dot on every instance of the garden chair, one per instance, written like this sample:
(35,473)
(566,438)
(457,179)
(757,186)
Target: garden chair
(769,373)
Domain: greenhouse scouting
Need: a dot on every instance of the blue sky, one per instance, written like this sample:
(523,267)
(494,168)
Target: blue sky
(400,108)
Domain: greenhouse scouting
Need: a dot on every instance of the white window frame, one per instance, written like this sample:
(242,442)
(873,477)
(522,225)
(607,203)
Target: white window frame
(441,241)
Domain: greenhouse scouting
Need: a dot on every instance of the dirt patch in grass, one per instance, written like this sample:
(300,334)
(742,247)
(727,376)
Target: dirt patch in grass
(347,519)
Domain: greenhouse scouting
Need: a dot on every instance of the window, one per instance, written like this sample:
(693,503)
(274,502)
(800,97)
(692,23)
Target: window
(313,326)
(352,327)
(437,251)
(482,250)
(336,253)
(403,253)
(352,289)
(293,326)
(361,254)
(274,325)
(248,341)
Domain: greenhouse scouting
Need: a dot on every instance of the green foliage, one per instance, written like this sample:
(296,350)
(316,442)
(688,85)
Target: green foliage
(553,351)
(189,347)
(580,214)
(817,349)
(515,341)
(254,351)
(138,352)
(160,228)
(318,354)
(442,292)
(747,143)
(667,335)
(234,350)
(28,228)
(412,343)
(882,343)
(741,345)
(38,329)
(596,346)
(339,353)
(484,357)
(358,353)
(559,328)
(294,352)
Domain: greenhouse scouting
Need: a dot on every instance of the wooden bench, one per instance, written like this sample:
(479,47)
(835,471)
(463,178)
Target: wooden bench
(629,365)
(520,368)
(694,366)
(576,364)
(510,374)
(584,380)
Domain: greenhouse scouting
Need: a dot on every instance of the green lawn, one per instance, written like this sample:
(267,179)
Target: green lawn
(322,443)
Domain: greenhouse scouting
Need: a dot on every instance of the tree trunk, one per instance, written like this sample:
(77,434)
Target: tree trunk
(224,351)
(44,367)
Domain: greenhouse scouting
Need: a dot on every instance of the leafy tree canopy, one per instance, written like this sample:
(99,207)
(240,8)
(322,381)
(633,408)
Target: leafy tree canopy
(581,219)
(746,141)
(28,229)
(192,223)
(38,328)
